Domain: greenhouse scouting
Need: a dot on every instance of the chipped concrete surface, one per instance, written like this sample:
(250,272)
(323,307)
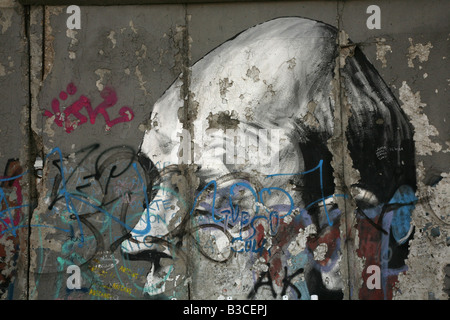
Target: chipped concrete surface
(429,251)
(382,50)
(418,51)
(140,51)
(414,108)
(102,74)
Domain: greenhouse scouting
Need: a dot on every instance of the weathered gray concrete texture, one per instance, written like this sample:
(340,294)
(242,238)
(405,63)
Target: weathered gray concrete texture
(131,54)
(76,104)
(14,102)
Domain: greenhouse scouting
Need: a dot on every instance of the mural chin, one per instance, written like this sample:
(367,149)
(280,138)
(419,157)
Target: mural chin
(263,118)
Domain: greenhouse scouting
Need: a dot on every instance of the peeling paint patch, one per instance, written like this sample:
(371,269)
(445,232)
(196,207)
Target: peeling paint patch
(419,51)
(424,280)
(249,114)
(343,162)
(224,84)
(291,63)
(310,119)
(223,120)
(382,49)
(181,41)
(101,73)
(447,143)
(131,24)
(48,126)
(71,34)
(260,265)
(320,252)
(297,246)
(140,78)
(49,51)
(413,107)
(141,53)
(253,73)
(111,36)
(270,88)
(435,204)
(346,49)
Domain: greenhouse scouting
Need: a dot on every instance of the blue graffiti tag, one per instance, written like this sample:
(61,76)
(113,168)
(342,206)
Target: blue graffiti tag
(69,197)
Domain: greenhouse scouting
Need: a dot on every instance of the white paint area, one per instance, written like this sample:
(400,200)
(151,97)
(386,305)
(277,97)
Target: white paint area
(320,252)
(299,244)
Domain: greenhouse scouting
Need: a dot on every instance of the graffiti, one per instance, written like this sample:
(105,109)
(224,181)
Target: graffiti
(62,119)
(92,201)
(112,187)
(11,217)
(219,233)
(287,284)
(387,247)
(275,217)
(11,198)
(287,216)
(233,218)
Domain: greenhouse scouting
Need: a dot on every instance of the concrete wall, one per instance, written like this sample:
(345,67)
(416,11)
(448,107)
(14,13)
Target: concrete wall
(114,138)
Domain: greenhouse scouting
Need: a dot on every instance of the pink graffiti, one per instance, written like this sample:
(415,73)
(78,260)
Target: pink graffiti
(109,99)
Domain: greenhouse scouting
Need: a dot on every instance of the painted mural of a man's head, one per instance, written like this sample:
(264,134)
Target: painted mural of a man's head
(259,113)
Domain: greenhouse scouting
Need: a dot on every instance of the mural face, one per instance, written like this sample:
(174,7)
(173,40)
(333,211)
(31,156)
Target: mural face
(254,135)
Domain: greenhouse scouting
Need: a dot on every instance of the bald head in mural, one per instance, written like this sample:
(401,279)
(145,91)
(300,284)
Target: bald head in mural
(252,127)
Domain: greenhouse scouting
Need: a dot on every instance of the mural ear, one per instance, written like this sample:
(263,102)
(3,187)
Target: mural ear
(402,203)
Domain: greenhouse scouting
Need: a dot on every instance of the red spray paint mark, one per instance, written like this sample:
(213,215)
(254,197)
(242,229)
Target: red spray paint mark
(62,119)
(370,249)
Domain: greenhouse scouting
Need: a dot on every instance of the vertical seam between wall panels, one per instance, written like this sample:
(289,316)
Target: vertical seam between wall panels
(31,143)
(27,23)
(348,252)
(186,121)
